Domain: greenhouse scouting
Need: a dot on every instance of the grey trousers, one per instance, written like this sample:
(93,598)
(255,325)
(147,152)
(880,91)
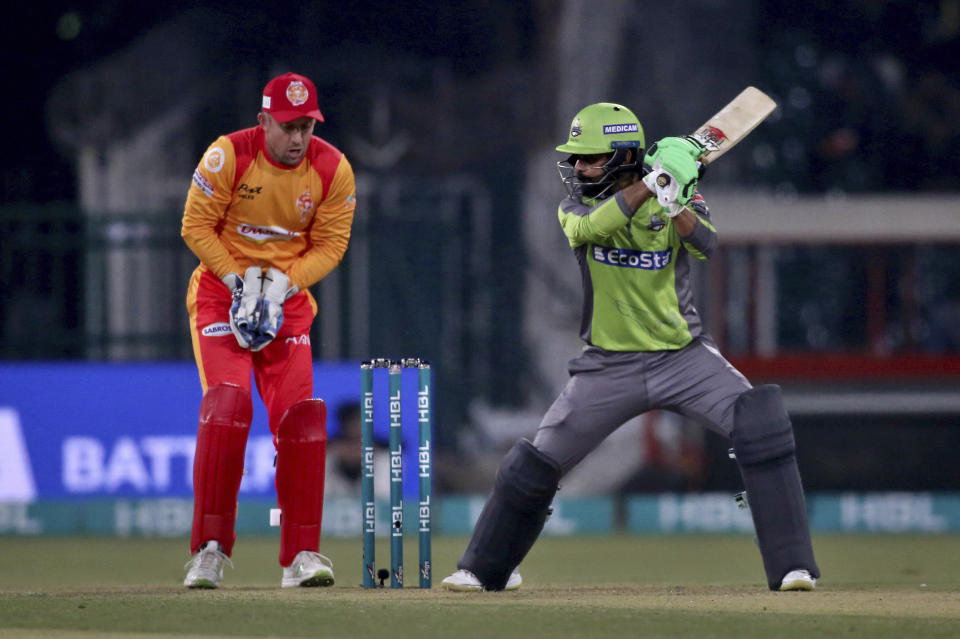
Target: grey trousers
(608,388)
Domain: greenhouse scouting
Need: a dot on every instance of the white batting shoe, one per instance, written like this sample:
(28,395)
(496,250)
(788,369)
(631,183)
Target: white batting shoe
(798,580)
(205,568)
(466,581)
(308,569)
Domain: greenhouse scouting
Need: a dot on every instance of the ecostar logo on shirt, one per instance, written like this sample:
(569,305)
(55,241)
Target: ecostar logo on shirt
(632,258)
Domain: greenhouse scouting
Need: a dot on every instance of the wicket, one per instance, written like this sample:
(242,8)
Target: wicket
(424,457)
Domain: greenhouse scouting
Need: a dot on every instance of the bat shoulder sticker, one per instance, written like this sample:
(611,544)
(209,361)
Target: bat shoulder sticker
(733,122)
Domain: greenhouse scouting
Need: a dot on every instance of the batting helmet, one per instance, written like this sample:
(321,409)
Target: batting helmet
(600,129)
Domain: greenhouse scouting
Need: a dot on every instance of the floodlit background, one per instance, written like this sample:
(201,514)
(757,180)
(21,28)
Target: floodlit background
(839,218)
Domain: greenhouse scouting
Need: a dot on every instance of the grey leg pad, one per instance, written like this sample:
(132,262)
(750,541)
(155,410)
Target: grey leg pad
(513,516)
(764,446)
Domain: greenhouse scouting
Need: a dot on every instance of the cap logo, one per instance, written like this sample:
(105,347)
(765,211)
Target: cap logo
(266,102)
(575,129)
(297,93)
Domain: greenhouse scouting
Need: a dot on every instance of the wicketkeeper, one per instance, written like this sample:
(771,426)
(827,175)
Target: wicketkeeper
(633,222)
(268,214)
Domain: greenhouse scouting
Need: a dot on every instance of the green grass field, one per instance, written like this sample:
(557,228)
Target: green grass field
(623,586)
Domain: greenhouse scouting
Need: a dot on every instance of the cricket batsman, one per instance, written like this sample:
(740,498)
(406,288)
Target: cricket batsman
(633,229)
(268,214)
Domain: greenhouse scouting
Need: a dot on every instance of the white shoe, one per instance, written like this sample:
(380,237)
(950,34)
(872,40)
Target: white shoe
(308,569)
(205,568)
(466,581)
(798,580)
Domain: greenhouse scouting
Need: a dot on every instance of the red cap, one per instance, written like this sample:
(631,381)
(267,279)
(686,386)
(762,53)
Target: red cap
(291,96)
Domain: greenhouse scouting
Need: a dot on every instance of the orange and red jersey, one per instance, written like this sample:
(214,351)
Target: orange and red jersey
(244,209)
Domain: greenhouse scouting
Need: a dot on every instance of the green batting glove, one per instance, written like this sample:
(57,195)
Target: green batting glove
(673,177)
(686,145)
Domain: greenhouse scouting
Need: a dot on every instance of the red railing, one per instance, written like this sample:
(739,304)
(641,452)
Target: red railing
(849,367)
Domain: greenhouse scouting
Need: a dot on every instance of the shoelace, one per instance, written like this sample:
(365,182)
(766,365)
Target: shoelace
(323,559)
(206,559)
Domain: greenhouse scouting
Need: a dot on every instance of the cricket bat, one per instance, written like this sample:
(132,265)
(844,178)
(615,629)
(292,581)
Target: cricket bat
(733,122)
(721,133)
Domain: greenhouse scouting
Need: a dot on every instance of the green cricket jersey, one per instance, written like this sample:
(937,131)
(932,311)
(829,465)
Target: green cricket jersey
(635,272)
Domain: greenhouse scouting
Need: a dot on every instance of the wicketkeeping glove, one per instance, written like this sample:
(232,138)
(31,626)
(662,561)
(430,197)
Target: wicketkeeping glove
(246,302)
(674,179)
(276,291)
